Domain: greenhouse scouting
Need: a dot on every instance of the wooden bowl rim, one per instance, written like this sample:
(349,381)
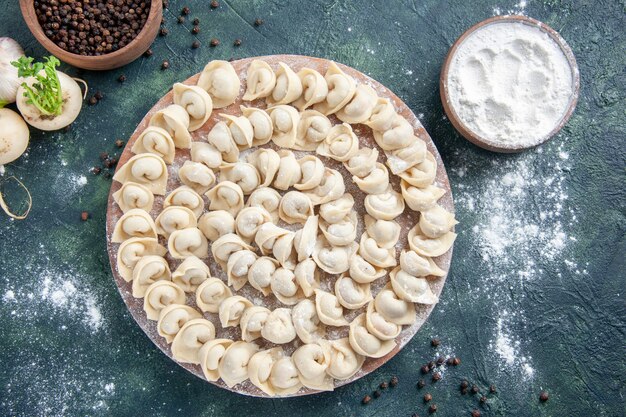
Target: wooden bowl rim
(28,12)
(456,120)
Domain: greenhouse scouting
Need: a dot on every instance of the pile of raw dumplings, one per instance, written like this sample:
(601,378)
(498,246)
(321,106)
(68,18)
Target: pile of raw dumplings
(279,224)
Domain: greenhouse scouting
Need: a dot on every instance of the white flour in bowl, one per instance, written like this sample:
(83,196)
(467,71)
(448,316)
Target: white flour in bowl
(510,83)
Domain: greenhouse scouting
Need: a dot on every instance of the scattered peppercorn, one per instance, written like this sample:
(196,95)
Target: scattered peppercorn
(475,389)
(107,174)
(162,20)
(185,11)
(166,3)
(435,342)
(425,369)
(394,381)
(258,22)
(450,361)
(440,361)
(195,30)
(377,394)
(383,385)
(464,384)
(165,64)
(492,389)
(104,156)
(196,21)
(215,42)
(180,20)
(110,162)
(475,413)
(215,4)
(436,376)
(163,32)
(148,52)
(237,42)
(543,397)
(93,100)
(96,170)
(195,45)
(119,143)
(427,397)
(231,59)
(121,78)
(463,391)
(366,399)
(456,361)
(84,216)
(99,96)
(483,399)
(432,365)
(421,384)
(432,409)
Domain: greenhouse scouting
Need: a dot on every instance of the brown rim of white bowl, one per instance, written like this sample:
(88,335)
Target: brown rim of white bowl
(456,120)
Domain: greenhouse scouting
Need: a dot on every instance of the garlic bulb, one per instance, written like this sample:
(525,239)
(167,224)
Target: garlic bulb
(10,50)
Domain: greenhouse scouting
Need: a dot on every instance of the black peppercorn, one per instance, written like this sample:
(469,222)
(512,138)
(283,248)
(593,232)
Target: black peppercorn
(148,52)
(165,65)
(180,20)
(237,42)
(421,384)
(121,78)
(492,389)
(119,143)
(383,385)
(185,11)
(432,365)
(432,409)
(196,21)
(435,342)
(366,399)
(394,381)
(440,361)
(463,391)
(104,156)
(258,22)
(543,396)
(96,170)
(195,30)
(450,361)
(436,376)
(93,100)
(464,384)
(377,394)
(163,32)
(195,45)
(99,96)
(215,42)
(107,174)
(475,413)
(215,4)
(425,369)
(456,361)
(84,216)
(427,397)
(475,389)
(483,399)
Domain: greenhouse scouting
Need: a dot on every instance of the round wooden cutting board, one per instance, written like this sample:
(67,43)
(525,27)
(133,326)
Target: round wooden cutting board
(406,220)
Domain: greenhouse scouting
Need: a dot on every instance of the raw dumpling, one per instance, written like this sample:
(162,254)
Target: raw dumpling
(260,369)
(385,232)
(216,224)
(418,266)
(285,120)
(312,169)
(210,355)
(241,173)
(278,327)
(267,235)
(313,128)
(422,174)
(285,287)
(306,322)
(233,366)
(420,199)
(329,311)
(221,81)
(261,124)
(378,256)
(360,108)
(252,321)
(333,259)
(400,160)
(284,250)
(385,206)
(260,80)
(174,218)
(188,242)
(330,188)
(305,239)
(399,135)
(314,88)
(147,271)
(312,361)
(196,176)
(427,246)
(196,101)
(134,196)
(341,144)
(288,171)
(156,141)
(190,274)
(284,377)
(159,295)
(241,130)
(366,344)
(222,140)
(351,294)
(393,308)
(260,273)
(336,210)
(295,207)
(341,89)
(412,289)
(288,86)
(172,318)
(342,232)
(146,169)
(191,337)
(134,223)
(226,195)
(266,198)
(237,268)
(383,115)
(344,361)
(376,182)
(231,309)
(362,163)
(174,119)
(266,161)
(185,196)
(436,221)
(364,272)
(210,294)
(133,249)
(249,220)
(225,246)
(206,153)
(379,326)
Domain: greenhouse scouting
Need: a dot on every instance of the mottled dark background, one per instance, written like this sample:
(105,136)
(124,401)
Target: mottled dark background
(535,297)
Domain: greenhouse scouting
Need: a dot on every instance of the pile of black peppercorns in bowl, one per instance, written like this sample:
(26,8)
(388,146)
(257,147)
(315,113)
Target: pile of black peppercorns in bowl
(92,27)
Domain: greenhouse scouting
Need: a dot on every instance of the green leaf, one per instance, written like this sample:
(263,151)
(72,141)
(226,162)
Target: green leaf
(45,93)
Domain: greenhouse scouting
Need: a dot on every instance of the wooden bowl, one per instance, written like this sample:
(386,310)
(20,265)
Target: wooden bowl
(102,62)
(456,120)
